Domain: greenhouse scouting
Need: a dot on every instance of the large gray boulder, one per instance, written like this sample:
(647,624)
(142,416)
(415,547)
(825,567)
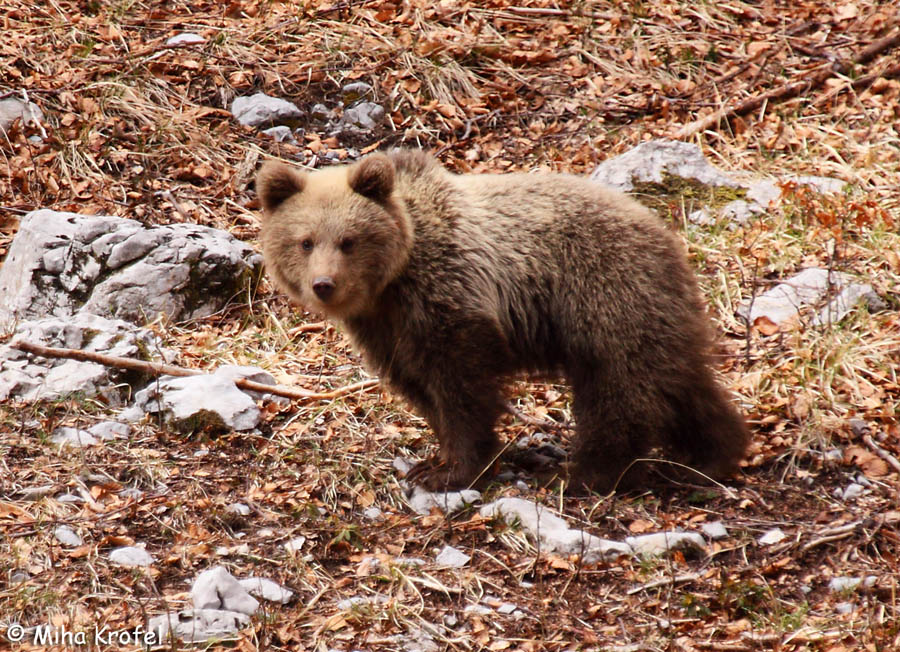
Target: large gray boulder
(653,160)
(31,377)
(62,264)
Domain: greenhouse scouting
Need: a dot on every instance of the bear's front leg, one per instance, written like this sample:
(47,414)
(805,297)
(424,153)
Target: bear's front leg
(463,411)
(468,446)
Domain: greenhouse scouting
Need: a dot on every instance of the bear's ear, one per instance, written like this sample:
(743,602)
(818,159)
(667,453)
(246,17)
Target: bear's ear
(373,177)
(276,182)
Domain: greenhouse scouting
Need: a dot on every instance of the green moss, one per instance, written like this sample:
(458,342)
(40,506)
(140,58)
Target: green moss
(676,197)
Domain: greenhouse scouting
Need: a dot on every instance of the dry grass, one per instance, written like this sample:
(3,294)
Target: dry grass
(138,129)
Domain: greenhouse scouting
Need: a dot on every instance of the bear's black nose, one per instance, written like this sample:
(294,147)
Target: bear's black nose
(323,286)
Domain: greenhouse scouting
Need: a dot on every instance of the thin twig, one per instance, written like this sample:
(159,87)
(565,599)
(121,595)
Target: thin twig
(158,369)
(666,581)
(549,11)
(833,534)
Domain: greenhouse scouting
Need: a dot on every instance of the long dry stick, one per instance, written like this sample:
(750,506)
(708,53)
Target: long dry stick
(818,77)
(158,369)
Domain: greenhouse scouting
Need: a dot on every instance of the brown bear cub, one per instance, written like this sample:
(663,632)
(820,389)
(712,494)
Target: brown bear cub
(449,284)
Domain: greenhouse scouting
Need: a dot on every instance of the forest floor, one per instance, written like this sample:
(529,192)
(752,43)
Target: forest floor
(140,129)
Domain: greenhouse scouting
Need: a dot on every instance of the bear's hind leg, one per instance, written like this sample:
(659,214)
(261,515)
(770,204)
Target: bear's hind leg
(615,425)
(708,433)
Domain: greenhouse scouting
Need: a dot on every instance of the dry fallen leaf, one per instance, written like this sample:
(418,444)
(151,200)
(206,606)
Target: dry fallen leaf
(867,461)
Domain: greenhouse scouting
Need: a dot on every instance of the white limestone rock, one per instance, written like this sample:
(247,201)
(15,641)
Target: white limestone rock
(452,557)
(188,403)
(771,537)
(185,38)
(266,589)
(108,430)
(262,110)
(848,584)
(650,161)
(30,377)
(67,536)
(216,588)
(365,116)
(14,108)
(62,264)
(659,543)
(714,530)
(422,502)
(808,289)
(553,531)
(198,625)
(65,436)
(131,556)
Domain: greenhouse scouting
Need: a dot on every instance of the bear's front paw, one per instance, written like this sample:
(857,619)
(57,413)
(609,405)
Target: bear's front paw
(433,474)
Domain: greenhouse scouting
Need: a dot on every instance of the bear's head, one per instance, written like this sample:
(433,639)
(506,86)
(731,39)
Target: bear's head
(333,239)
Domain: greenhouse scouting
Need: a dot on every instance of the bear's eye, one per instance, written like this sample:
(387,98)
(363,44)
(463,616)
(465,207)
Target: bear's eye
(306,245)
(347,245)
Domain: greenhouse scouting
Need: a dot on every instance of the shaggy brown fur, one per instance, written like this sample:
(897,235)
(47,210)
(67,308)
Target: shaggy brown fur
(451,283)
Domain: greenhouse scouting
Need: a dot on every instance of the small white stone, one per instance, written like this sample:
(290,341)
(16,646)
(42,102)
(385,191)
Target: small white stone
(402,465)
(422,502)
(67,536)
(851,583)
(714,530)
(772,536)
(506,608)
(452,557)
(73,437)
(198,625)
(131,556)
(834,455)
(372,513)
(853,490)
(185,38)
(845,607)
(280,134)
(267,589)
(294,545)
(238,508)
(662,542)
(107,430)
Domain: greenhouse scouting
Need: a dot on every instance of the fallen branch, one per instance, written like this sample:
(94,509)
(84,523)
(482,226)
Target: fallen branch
(792,89)
(833,534)
(160,369)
